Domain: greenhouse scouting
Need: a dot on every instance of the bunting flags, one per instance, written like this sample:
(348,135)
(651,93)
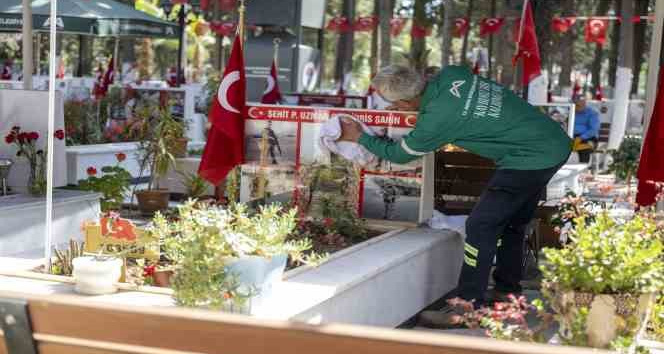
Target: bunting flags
(338,24)
(490,25)
(596,31)
(562,24)
(365,24)
(396,26)
(223,29)
(461,26)
(418,31)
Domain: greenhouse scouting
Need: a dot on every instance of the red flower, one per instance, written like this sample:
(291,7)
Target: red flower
(91,171)
(22,137)
(60,134)
(10,138)
(33,135)
(328,222)
(149,270)
(120,156)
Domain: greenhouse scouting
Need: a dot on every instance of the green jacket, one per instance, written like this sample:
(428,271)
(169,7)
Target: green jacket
(482,117)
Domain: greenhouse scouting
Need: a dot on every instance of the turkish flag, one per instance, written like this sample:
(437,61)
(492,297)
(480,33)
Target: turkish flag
(527,48)
(97,90)
(227,5)
(223,29)
(562,24)
(365,24)
(596,31)
(460,27)
(651,168)
(272,94)
(224,148)
(338,24)
(396,26)
(598,93)
(490,25)
(418,31)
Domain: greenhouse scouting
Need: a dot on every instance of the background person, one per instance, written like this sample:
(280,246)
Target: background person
(479,115)
(586,129)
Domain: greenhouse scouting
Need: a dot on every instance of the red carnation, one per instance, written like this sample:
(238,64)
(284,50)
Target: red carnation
(60,134)
(92,171)
(10,138)
(120,156)
(22,137)
(149,270)
(33,135)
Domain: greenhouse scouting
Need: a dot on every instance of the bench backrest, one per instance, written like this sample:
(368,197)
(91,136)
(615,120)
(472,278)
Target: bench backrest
(72,325)
(460,176)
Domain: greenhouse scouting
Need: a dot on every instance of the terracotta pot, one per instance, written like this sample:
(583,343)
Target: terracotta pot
(609,315)
(180,148)
(162,278)
(150,201)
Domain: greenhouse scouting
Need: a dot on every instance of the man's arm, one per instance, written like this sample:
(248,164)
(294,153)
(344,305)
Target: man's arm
(592,130)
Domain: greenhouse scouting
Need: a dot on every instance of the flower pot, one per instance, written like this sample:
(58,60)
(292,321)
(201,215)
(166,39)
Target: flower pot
(162,278)
(257,275)
(96,276)
(180,147)
(150,201)
(609,315)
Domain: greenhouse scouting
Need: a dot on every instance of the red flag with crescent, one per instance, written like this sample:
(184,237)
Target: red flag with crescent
(108,79)
(596,31)
(527,47)
(272,94)
(461,26)
(223,29)
(418,31)
(365,24)
(224,148)
(396,26)
(338,24)
(490,25)
(651,168)
(562,24)
(227,5)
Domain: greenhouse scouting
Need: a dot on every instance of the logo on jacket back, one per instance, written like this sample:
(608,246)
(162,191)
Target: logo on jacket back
(454,90)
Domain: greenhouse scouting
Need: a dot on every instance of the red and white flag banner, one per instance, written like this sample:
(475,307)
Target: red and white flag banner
(491,25)
(223,29)
(338,24)
(397,25)
(418,31)
(461,26)
(365,24)
(562,24)
(596,30)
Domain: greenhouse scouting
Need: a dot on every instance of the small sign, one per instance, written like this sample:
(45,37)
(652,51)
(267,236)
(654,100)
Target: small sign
(120,235)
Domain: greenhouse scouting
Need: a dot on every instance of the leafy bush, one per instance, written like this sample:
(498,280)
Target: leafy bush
(571,209)
(203,238)
(608,257)
(626,158)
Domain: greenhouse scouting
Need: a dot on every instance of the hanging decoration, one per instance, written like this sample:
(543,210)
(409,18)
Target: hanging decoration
(562,24)
(460,27)
(490,25)
(365,24)
(223,29)
(338,24)
(418,31)
(596,30)
(396,26)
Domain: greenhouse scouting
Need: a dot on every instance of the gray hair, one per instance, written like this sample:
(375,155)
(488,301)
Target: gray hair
(396,82)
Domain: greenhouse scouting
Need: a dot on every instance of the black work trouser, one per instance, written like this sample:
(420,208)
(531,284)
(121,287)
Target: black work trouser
(496,227)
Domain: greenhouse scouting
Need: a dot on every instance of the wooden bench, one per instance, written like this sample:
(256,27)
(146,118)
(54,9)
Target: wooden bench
(70,324)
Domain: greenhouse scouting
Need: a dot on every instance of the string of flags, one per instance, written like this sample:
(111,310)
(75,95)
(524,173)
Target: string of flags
(595,28)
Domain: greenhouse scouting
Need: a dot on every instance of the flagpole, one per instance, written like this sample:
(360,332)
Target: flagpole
(240,26)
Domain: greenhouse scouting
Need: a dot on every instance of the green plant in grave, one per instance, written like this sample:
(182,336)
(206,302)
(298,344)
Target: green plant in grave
(203,238)
(113,184)
(159,138)
(626,159)
(607,257)
(195,185)
(63,258)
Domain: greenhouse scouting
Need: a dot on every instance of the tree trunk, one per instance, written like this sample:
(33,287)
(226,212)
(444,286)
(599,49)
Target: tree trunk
(492,13)
(596,66)
(418,45)
(445,33)
(615,42)
(373,62)
(385,11)
(84,56)
(623,76)
(344,63)
(464,46)
(640,8)
(567,47)
(543,12)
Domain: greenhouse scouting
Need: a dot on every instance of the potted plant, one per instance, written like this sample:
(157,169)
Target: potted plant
(113,185)
(160,137)
(227,258)
(626,160)
(195,185)
(601,284)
